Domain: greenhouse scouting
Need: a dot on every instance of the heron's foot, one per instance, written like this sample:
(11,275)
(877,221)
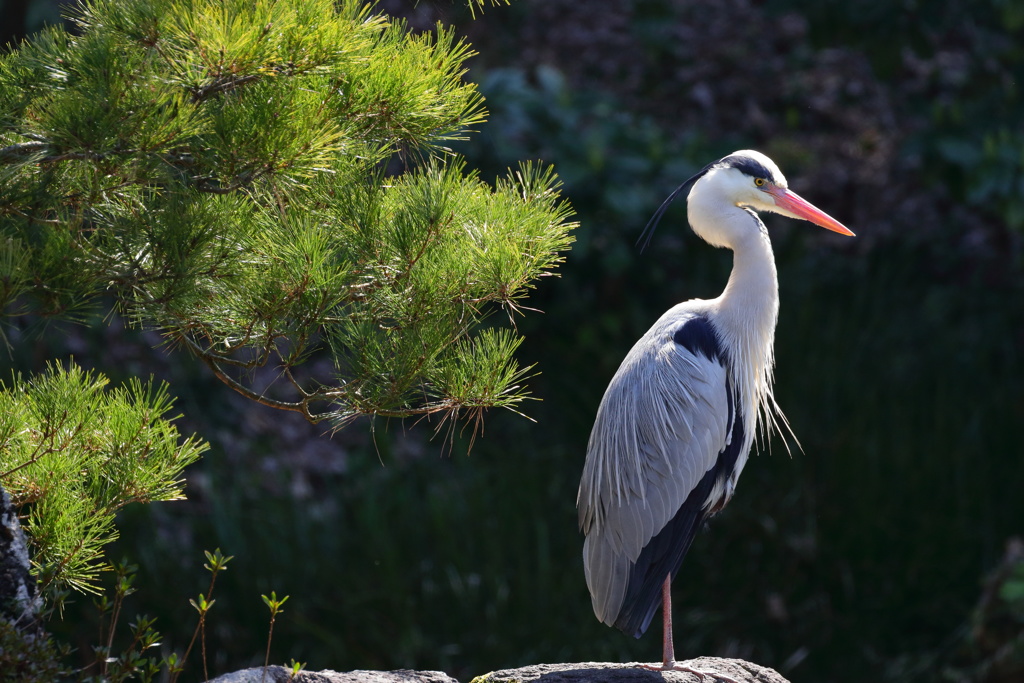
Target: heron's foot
(676,666)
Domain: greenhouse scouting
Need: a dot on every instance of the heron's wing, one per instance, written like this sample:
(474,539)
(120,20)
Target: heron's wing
(652,471)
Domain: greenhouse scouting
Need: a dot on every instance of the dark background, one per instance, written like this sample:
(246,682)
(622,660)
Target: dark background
(858,558)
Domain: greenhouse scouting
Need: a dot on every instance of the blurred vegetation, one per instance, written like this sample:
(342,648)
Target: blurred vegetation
(899,363)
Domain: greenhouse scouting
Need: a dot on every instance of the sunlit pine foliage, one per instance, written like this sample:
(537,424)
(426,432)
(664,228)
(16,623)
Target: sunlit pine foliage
(73,452)
(266,182)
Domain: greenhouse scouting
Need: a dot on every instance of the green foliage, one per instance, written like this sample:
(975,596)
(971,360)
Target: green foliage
(216,562)
(275,607)
(73,453)
(28,658)
(33,657)
(295,668)
(273,604)
(221,170)
(132,661)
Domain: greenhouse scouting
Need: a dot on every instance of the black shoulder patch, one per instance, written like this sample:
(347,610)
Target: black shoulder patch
(698,335)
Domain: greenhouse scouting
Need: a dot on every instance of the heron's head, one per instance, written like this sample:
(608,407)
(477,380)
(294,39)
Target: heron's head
(750,180)
(746,179)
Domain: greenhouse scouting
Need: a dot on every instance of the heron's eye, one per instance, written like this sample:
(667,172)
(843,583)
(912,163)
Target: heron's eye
(759,182)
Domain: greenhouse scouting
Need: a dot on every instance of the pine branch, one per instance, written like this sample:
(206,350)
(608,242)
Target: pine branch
(221,176)
(212,363)
(73,454)
(221,86)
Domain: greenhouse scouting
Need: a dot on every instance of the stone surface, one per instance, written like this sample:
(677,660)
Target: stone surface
(19,599)
(716,670)
(602,672)
(279,674)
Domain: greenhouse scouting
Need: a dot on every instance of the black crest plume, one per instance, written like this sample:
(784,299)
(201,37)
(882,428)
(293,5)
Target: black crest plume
(648,233)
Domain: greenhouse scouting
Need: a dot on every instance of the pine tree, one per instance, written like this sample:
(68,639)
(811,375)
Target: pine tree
(261,181)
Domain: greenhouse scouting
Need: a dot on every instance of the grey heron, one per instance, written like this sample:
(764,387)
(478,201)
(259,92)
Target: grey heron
(678,418)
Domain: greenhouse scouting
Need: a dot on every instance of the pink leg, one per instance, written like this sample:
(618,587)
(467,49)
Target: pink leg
(667,648)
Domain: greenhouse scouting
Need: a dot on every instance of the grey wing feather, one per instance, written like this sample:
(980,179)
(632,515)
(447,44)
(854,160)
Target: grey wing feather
(660,427)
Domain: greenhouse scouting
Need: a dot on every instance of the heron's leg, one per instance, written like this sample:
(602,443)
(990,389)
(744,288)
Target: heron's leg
(668,650)
(669,662)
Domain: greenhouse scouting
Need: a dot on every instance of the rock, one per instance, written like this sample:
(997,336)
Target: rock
(279,674)
(20,602)
(716,670)
(600,672)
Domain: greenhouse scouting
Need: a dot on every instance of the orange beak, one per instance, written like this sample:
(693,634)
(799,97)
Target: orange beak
(795,206)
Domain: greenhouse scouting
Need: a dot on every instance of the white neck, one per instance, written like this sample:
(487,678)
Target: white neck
(750,302)
(747,310)
(749,305)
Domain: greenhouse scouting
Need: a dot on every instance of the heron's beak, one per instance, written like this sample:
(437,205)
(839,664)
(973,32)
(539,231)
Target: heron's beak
(795,206)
